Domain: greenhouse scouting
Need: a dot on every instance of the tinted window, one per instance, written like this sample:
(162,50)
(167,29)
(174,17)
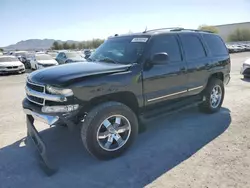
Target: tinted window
(215,44)
(193,47)
(123,50)
(168,44)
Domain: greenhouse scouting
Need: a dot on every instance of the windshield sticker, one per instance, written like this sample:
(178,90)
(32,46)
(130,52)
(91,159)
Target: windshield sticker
(139,40)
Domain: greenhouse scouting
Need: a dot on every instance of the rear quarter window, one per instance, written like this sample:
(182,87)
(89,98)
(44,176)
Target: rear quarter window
(215,45)
(192,46)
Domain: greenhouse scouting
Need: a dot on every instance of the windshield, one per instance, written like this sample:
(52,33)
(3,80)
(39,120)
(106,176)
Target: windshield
(8,59)
(122,50)
(53,55)
(20,53)
(73,55)
(43,57)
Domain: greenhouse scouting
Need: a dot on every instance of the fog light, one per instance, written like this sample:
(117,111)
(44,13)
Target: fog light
(58,109)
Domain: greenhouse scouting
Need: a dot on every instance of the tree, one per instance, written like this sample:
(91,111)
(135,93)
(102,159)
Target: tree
(55,45)
(65,46)
(239,35)
(1,50)
(73,46)
(208,28)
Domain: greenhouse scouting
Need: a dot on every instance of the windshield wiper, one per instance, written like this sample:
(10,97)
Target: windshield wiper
(108,60)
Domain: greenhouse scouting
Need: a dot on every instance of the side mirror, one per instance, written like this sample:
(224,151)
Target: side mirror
(160,58)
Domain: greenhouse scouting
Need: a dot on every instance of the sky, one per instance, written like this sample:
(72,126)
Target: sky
(88,19)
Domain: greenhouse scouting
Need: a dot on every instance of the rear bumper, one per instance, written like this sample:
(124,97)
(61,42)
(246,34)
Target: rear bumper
(245,71)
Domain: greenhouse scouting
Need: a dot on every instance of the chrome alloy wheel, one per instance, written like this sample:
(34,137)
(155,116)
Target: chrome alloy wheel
(216,96)
(114,132)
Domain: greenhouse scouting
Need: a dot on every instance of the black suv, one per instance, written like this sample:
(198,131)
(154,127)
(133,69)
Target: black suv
(129,79)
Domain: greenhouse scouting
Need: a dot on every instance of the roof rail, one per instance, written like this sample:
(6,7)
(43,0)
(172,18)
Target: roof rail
(170,28)
(195,30)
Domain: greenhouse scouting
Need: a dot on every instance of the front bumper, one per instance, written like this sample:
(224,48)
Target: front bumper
(33,112)
(21,70)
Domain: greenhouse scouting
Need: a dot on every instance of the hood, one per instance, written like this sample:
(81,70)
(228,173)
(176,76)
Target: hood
(47,62)
(12,63)
(247,61)
(63,75)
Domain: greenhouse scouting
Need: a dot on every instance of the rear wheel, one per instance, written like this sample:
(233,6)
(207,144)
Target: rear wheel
(214,96)
(109,129)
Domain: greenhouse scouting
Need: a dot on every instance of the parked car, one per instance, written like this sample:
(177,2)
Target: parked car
(52,54)
(128,79)
(87,53)
(22,56)
(11,64)
(245,70)
(247,47)
(69,57)
(40,61)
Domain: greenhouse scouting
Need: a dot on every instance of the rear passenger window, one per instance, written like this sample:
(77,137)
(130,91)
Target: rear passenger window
(193,47)
(168,44)
(215,44)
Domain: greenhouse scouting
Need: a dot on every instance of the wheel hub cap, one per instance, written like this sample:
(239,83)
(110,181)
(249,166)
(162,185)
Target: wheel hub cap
(113,133)
(215,97)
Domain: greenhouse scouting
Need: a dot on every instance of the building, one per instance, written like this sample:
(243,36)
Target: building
(227,29)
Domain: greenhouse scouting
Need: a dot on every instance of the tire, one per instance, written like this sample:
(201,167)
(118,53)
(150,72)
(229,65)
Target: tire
(207,106)
(93,123)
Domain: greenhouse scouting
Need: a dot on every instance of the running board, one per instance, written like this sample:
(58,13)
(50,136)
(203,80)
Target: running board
(170,109)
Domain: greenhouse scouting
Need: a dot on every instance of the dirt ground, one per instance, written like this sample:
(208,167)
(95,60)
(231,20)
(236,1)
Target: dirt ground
(188,149)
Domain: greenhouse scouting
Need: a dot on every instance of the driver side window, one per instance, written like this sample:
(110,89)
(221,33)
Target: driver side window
(168,44)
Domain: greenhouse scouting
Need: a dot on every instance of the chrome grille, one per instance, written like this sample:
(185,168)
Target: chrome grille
(38,88)
(36,93)
(35,87)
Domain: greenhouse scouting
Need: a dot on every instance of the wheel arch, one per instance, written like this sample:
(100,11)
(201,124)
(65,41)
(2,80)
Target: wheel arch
(125,97)
(218,75)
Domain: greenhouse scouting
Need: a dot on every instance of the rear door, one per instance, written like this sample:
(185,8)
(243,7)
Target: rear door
(166,81)
(197,61)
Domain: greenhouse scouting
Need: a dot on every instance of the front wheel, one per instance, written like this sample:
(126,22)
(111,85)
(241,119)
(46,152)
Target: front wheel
(214,96)
(109,129)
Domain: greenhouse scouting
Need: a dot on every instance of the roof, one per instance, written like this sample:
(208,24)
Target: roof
(148,33)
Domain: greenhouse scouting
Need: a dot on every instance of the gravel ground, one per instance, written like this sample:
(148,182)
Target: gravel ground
(188,149)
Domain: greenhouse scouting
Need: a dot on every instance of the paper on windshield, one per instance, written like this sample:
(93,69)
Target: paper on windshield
(139,40)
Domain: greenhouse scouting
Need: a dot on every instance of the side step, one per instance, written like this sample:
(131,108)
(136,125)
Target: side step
(170,109)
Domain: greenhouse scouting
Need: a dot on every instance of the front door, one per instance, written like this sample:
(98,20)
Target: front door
(166,81)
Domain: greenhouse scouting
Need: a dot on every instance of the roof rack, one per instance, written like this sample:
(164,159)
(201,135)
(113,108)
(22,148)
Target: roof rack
(177,29)
(170,28)
(195,30)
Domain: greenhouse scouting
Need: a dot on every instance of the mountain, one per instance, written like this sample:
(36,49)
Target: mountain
(35,44)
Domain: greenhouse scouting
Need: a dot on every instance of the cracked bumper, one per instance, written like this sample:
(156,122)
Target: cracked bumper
(33,112)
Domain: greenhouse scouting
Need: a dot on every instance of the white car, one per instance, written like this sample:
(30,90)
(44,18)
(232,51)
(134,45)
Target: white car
(40,61)
(10,64)
(245,70)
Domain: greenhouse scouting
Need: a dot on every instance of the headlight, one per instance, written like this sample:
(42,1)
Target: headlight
(60,109)
(2,67)
(59,91)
